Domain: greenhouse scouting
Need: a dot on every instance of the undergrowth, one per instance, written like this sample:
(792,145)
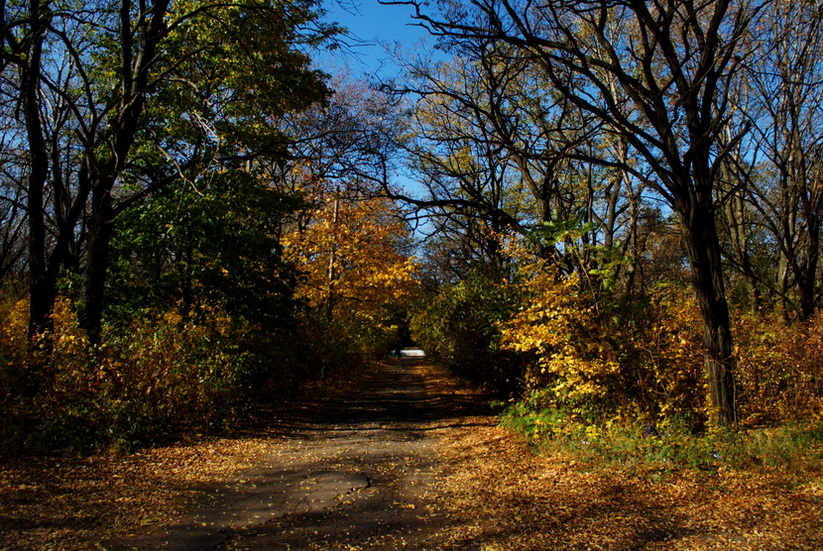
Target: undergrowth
(153,379)
(672,443)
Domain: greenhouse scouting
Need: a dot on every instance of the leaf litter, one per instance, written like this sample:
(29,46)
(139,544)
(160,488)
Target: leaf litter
(490,492)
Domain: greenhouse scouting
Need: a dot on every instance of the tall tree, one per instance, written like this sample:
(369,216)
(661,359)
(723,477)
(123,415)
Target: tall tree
(356,271)
(94,81)
(785,105)
(658,75)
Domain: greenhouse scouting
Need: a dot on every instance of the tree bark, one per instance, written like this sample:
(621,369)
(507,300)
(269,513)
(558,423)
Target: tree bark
(42,283)
(703,251)
(735,215)
(120,133)
(94,277)
(807,278)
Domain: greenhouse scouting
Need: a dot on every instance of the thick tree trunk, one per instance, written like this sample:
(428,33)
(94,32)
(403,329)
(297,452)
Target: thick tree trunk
(121,133)
(703,251)
(42,284)
(96,269)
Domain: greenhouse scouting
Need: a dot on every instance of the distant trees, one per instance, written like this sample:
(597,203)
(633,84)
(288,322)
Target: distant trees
(356,272)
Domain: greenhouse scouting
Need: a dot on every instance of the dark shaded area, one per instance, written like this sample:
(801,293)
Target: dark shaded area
(395,397)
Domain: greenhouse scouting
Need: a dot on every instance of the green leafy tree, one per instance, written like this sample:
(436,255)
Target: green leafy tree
(459,323)
(195,250)
(100,82)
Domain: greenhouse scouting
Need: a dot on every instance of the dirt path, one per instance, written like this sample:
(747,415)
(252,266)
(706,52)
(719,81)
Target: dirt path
(404,457)
(354,471)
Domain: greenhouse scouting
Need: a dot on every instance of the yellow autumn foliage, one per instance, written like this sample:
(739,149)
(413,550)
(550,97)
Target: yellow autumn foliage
(352,265)
(561,329)
(664,355)
(160,374)
(780,368)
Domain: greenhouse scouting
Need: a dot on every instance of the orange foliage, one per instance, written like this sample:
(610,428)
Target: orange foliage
(351,259)
(157,375)
(780,368)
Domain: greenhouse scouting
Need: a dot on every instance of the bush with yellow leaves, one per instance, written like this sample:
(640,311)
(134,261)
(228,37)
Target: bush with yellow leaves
(157,376)
(642,365)
(780,369)
(562,331)
(662,358)
(604,361)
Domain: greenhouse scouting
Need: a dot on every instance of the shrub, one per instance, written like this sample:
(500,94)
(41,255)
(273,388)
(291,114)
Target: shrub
(780,369)
(671,443)
(155,377)
(561,330)
(459,325)
(661,358)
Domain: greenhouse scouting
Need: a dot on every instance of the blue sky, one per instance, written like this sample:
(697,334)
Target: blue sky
(374,27)
(376,30)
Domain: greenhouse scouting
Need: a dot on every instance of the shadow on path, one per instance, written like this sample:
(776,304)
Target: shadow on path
(352,470)
(394,395)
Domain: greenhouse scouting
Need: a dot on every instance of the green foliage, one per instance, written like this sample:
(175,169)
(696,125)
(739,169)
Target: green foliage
(561,230)
(459,325)
(670,443)
(230,74)
(197,248)
(570,238)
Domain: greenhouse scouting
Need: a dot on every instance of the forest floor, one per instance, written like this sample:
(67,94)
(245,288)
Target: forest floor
(403,456)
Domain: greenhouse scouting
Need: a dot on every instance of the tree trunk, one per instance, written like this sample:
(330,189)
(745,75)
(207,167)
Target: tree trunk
(332,275)
(807,278)
(96,269)
(703,251)
(42,284)
(120,135)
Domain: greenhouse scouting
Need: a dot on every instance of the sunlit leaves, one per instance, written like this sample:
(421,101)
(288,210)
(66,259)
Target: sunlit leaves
(560,327)
(353,263)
